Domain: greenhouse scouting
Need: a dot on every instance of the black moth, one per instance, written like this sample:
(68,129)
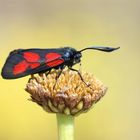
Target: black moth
(23,62)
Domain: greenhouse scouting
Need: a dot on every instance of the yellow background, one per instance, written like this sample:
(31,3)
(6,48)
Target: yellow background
(76,23)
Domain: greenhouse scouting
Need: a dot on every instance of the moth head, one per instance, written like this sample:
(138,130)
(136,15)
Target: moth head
(77,57)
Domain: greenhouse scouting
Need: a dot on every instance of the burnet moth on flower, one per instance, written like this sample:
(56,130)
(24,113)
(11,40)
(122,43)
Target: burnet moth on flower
(23,62)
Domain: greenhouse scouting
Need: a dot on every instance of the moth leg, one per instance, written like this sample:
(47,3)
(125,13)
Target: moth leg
(47,72)
(58,75)
(44,72)
(80,68)
(80,76)
(32,77)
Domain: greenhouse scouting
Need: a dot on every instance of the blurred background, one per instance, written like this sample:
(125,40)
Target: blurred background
(76,23)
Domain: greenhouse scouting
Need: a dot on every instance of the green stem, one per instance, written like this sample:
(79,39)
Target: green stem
(65,127)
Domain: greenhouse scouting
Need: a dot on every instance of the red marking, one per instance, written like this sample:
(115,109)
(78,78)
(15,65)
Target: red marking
(31,57)
(20,67)
(55,62)
(23,66)
(52,56)
(53,59)
(34,65)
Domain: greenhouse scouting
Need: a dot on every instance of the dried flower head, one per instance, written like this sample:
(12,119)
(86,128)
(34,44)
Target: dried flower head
(70,95)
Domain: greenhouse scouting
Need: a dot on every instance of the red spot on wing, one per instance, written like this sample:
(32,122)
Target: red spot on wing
(20,67)
(34,65)
(53,59)
(52,56)
(31,57)
(55,63)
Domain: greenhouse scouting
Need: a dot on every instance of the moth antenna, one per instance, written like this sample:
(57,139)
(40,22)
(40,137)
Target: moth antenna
(100,48)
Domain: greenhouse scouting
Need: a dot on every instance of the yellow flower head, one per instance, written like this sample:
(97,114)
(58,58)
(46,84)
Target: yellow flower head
(68,94)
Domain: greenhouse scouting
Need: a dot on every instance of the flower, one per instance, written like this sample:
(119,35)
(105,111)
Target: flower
(68,94)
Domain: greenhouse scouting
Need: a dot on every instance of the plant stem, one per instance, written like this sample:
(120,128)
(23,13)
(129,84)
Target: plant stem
(65,127)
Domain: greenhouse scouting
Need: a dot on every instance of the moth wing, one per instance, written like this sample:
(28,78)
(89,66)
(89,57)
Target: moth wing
(24,62)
